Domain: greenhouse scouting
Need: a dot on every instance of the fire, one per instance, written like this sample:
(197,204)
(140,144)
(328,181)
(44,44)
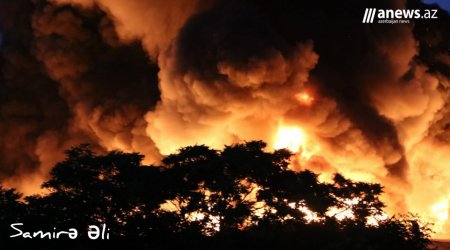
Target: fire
(292,138)
(440,210)
(304,98)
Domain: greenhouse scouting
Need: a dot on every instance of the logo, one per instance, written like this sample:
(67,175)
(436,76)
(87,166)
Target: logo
(397,16)
(369,15)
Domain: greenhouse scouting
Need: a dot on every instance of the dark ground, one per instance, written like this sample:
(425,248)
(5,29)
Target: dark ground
(442,244)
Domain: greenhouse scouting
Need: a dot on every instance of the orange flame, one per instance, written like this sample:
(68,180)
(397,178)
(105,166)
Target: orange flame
(304,98)
(292,138)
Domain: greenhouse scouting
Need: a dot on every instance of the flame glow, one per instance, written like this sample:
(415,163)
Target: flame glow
(304,98)
(291,138)
(440,210)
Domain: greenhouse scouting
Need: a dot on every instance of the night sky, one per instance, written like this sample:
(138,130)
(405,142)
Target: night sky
(445,4)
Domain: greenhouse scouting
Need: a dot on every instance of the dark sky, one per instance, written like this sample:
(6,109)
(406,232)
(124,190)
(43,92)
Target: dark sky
(443,3)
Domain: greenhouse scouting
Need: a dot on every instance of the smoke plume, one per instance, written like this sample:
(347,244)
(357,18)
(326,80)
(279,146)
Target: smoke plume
(368,100)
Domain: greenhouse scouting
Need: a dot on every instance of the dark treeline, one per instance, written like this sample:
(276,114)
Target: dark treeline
(239,198)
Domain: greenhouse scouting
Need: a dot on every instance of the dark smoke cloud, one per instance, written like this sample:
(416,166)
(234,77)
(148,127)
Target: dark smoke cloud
(231,33)
(67,79)
(30,104)
(353,57)
(386,80)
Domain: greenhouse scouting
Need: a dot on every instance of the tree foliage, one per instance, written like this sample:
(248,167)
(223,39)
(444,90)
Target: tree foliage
(241,197)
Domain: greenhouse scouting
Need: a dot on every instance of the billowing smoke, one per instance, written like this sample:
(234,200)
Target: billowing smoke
(368,100)
(68,79)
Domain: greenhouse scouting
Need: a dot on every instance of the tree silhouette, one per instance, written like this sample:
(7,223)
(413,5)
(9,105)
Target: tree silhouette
(11,210)
(89,189)
(241,197)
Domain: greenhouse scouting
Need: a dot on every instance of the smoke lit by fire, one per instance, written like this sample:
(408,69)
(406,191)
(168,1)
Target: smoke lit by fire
(368,101)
